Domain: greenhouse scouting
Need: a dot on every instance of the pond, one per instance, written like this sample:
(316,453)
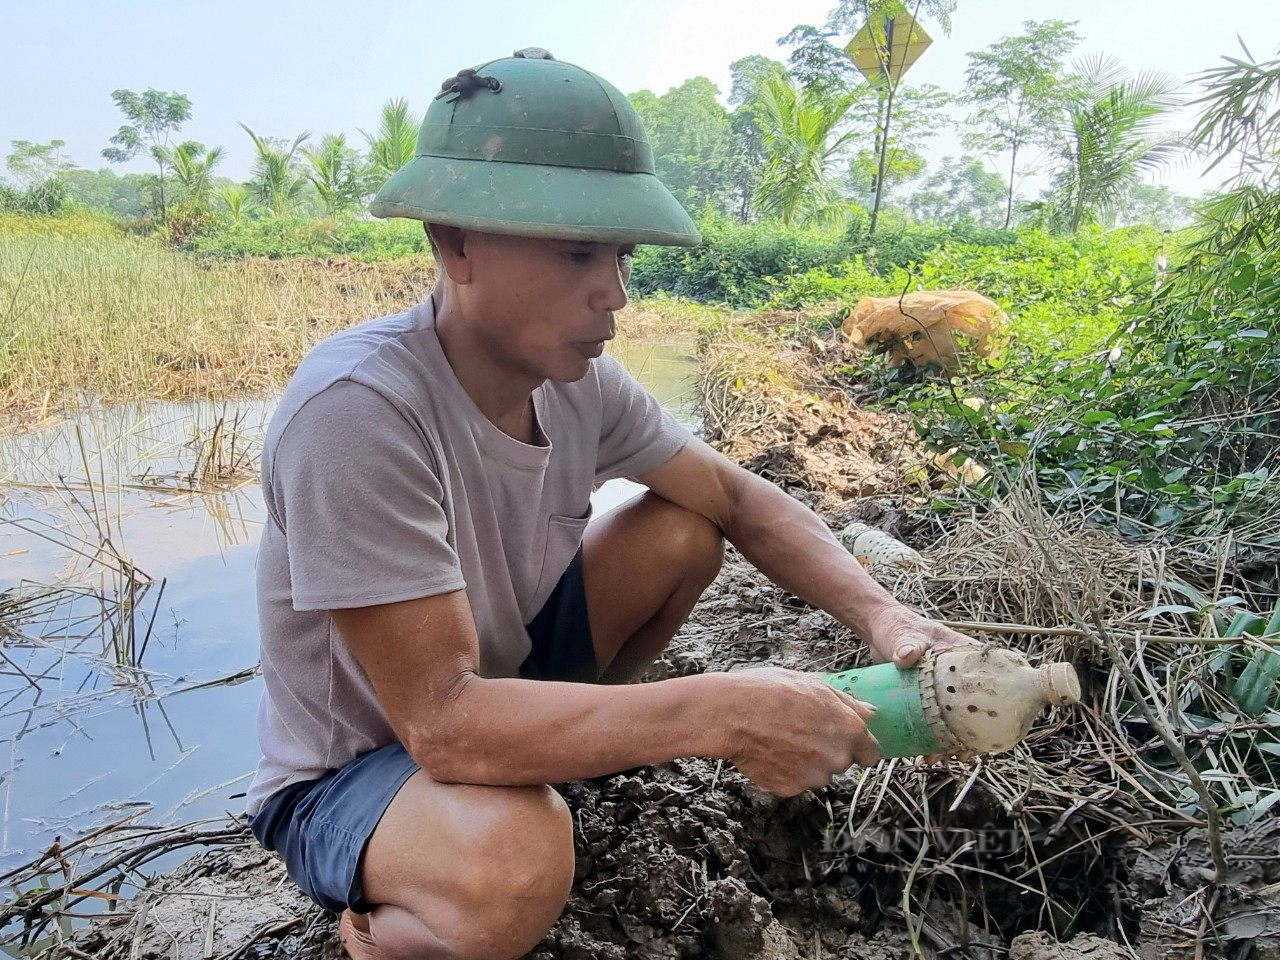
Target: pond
(128,626)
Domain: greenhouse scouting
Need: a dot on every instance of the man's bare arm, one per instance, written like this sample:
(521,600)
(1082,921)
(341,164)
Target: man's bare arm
(422,657)
(793,547)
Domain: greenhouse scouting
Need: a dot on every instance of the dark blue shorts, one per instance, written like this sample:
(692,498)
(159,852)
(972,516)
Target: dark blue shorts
(321,827)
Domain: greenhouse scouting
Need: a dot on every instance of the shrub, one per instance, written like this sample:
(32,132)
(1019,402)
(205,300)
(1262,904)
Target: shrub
(344,237)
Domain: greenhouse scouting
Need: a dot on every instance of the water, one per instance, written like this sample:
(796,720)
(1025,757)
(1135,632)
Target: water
(85,737)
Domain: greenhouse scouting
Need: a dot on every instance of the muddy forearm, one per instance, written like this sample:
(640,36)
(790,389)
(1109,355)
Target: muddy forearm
(512,732)
(794,548)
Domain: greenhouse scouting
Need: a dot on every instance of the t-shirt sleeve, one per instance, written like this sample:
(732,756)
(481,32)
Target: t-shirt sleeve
(357,492)
(636,433)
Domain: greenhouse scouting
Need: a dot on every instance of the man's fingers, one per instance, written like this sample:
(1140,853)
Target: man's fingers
(864,710)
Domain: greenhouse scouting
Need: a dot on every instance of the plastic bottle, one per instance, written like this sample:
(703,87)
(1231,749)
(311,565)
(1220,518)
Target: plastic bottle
(968,699)
(879,552)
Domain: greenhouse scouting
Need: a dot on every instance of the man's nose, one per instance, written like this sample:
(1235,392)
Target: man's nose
(611,286)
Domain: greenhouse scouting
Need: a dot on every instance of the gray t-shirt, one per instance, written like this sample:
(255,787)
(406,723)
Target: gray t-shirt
(384,482)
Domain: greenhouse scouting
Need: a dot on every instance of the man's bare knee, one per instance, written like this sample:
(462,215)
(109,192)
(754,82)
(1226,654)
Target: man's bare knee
(700,543)
(696,541)
(518,880)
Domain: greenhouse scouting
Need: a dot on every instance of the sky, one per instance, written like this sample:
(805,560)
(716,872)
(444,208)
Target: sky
(283,66)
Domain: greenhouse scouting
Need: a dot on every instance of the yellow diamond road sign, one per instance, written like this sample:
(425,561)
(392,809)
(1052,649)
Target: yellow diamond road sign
(895,44)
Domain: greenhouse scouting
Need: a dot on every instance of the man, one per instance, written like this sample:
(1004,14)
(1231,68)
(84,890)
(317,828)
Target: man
(431,594)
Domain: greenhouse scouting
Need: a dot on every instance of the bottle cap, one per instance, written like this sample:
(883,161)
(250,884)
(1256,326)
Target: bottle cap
(1061,683)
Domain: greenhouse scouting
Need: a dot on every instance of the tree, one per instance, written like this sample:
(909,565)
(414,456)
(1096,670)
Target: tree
(961,190)
(1019,89)
(192,167)
(746,161)
(690,133)
(277,179)
(154,116)
(1155,205)
(237,198)
(1108,140)
(747,75)
(904,166)
(802,142)
(817,64)
(32,164)
(881,17)
(335,173)
(105,190)
(920,114)
(396,140)
(1239,124)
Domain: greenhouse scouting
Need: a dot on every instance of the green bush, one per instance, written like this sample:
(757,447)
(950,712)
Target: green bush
(744,265)
(734,262)
(330,238)
(1174,426)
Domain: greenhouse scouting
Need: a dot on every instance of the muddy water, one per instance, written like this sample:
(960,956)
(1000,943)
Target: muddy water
(91,732)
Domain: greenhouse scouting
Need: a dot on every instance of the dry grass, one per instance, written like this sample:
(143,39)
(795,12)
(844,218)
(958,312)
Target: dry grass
(1158,748)
(86,311)
(119,317)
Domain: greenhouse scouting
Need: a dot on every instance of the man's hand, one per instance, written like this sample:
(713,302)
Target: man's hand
(794,732)
(902,636)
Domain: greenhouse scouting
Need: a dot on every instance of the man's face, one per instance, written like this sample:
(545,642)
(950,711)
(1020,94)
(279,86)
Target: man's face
(543,308)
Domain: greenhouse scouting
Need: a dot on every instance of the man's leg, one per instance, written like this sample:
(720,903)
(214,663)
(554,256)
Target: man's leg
(644,566)
(463,871)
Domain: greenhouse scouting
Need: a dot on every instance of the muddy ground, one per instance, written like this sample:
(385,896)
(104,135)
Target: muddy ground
(688,860)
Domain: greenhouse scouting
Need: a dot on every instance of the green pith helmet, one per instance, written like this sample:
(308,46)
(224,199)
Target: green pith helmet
(532,147)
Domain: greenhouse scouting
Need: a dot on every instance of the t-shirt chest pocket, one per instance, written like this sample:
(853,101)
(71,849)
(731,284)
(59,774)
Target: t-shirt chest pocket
(564,536)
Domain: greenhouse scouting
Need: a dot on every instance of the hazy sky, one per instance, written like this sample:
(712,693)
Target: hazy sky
(283,66)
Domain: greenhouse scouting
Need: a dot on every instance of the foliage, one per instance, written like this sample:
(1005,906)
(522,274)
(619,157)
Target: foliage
(1018,89)
(734,263)
(335,173)
(1174,425)
(919,115)
(153,117)
(692,139)
(107,191)
(297,236)
(750,265)
(1155,205)
(278,180)
(747,157)
(48,197)
(819,66)
(850,15)
(192,167)
(237,199)
(31,164)
(961,190)
(1108,140)
(394,144)
(801,141)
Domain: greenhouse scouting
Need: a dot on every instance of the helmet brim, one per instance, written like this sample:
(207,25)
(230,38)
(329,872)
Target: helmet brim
(561,203)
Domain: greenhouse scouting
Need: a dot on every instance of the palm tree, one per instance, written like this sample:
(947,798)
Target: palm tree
(237,199)
(397,138)
(1108,140)
(802,142)
(276,178)
(333,172)
(192,167)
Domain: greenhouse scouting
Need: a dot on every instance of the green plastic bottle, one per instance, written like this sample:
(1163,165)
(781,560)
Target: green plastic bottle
(964,700)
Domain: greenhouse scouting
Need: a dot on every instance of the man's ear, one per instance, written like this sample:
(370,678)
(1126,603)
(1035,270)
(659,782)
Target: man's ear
(450,247)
